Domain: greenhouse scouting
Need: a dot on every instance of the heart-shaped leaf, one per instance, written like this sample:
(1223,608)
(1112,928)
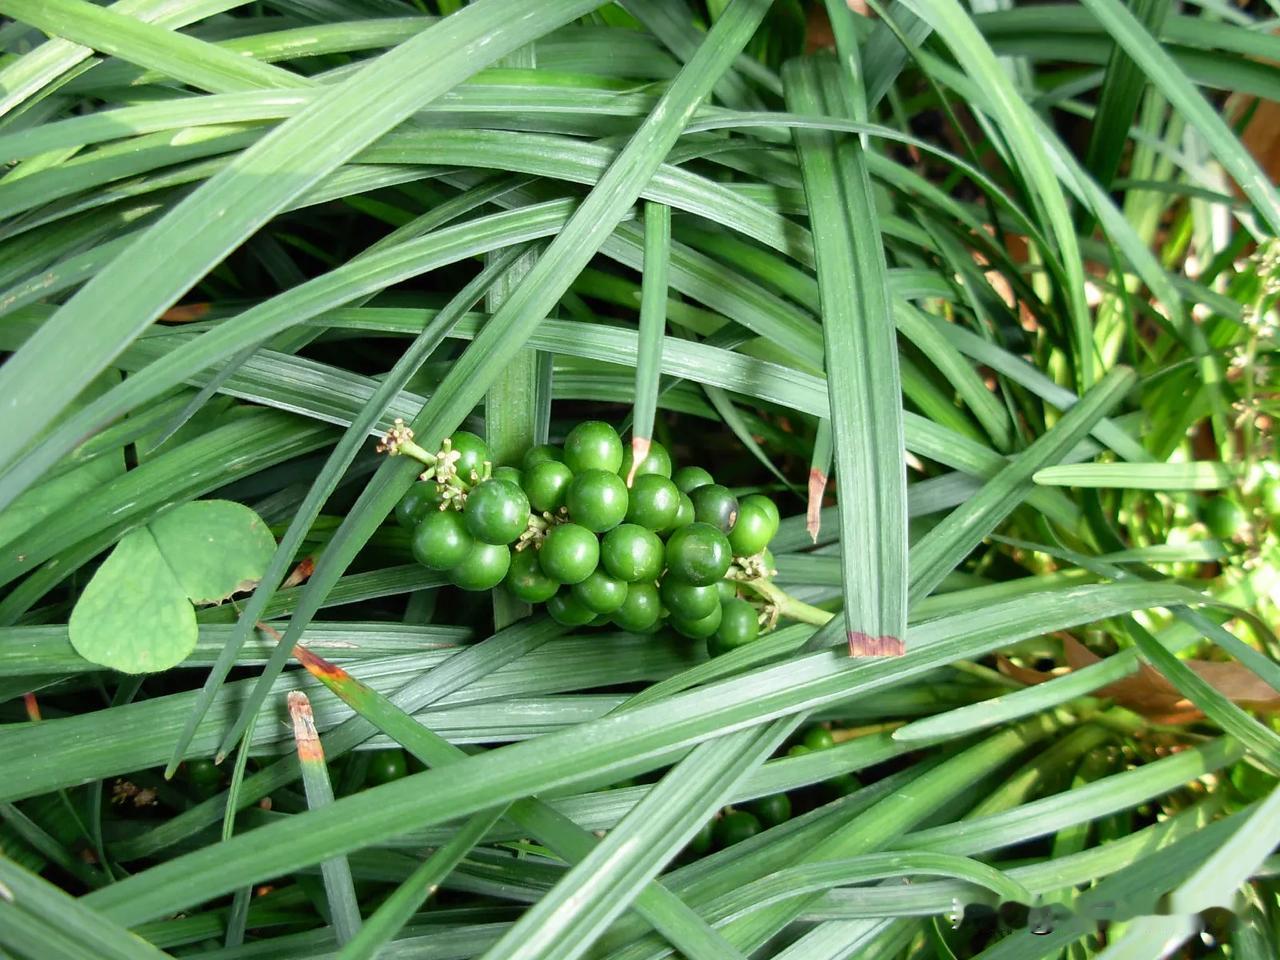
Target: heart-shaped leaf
(136,614)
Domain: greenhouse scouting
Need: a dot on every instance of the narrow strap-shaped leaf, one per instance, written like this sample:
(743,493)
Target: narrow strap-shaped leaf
(327,479)
(1129,33)
(946,545)
(178,250)
(655,903)
(653,324)
(861,365)
(404,902)
(1195,475)
(819,472)
(27,899)
(508,330)
(339,888)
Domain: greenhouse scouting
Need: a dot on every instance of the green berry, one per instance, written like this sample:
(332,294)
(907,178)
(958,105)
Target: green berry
(483,568)
(842,785)
(597,499)
(566,609)
(727,589)
(540,454)
(569,553)
(735,827)
(686,601)
(593,445)
(716,505)
(600,592)
(698,629)
(798,750)
(641,610)
(771,810)
(1225,518)
(656,461)
(419,500)
(497,511)
(546,483)
(684,514)
(441,541)
(698,554)
(632,553)
(525,578)
(739,624)
(767,506)
(690,478)
(473,452)
(700,842)
(818,738)
(752,532)
(653,502)
(385,766)
(510,474)
(204,776)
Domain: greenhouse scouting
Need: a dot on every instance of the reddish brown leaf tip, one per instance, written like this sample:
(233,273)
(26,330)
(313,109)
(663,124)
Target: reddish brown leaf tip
(639,450)
(33,707)
(304,728)
(865,645)
(300,573)
(813,516)
(185,312)
(319,667)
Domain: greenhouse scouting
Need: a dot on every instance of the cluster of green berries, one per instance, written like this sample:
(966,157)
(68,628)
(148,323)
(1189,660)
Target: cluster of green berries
(565,529)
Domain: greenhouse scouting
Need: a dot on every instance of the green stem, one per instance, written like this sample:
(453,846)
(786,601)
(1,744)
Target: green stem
(787,605)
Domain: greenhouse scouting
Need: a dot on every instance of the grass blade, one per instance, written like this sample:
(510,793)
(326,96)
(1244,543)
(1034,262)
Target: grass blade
(338,885)
(861,364)
(653,323)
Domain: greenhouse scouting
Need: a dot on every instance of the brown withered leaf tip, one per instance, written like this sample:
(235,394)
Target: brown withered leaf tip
(33,707)
(813,514)
(318,666)
(639,450)
(185,313)
(865,645)
(300,573)
(304,728)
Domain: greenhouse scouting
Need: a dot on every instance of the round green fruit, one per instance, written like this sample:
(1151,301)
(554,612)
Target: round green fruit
(540,454)
(735,827)
(441,541)
(798,750)
(698,629)
(473,453)
(656,461)
(684,514)
(818,738)
(510,474)
(569,553)
(419,500)
(739,624)
(483,568)
(700,842)
(771,810)
(385,766)
(767,507)
(1225,518)
(600,592)
(632,553)
(698,554)
(567,610)
(497,511)
(686,601)
(716,505)
(641,610)
(546,483)
(653,502)
(727,589)
(752,532)
(204,775)
(593,445)
(688,479)
(525,578)
(597,499)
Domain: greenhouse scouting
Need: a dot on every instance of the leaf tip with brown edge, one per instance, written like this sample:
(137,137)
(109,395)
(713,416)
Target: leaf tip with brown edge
(639,451)
(865,645)
(304,728)
(813,513)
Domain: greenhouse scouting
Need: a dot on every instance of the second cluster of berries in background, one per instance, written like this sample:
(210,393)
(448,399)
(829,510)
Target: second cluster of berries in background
(564,529)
